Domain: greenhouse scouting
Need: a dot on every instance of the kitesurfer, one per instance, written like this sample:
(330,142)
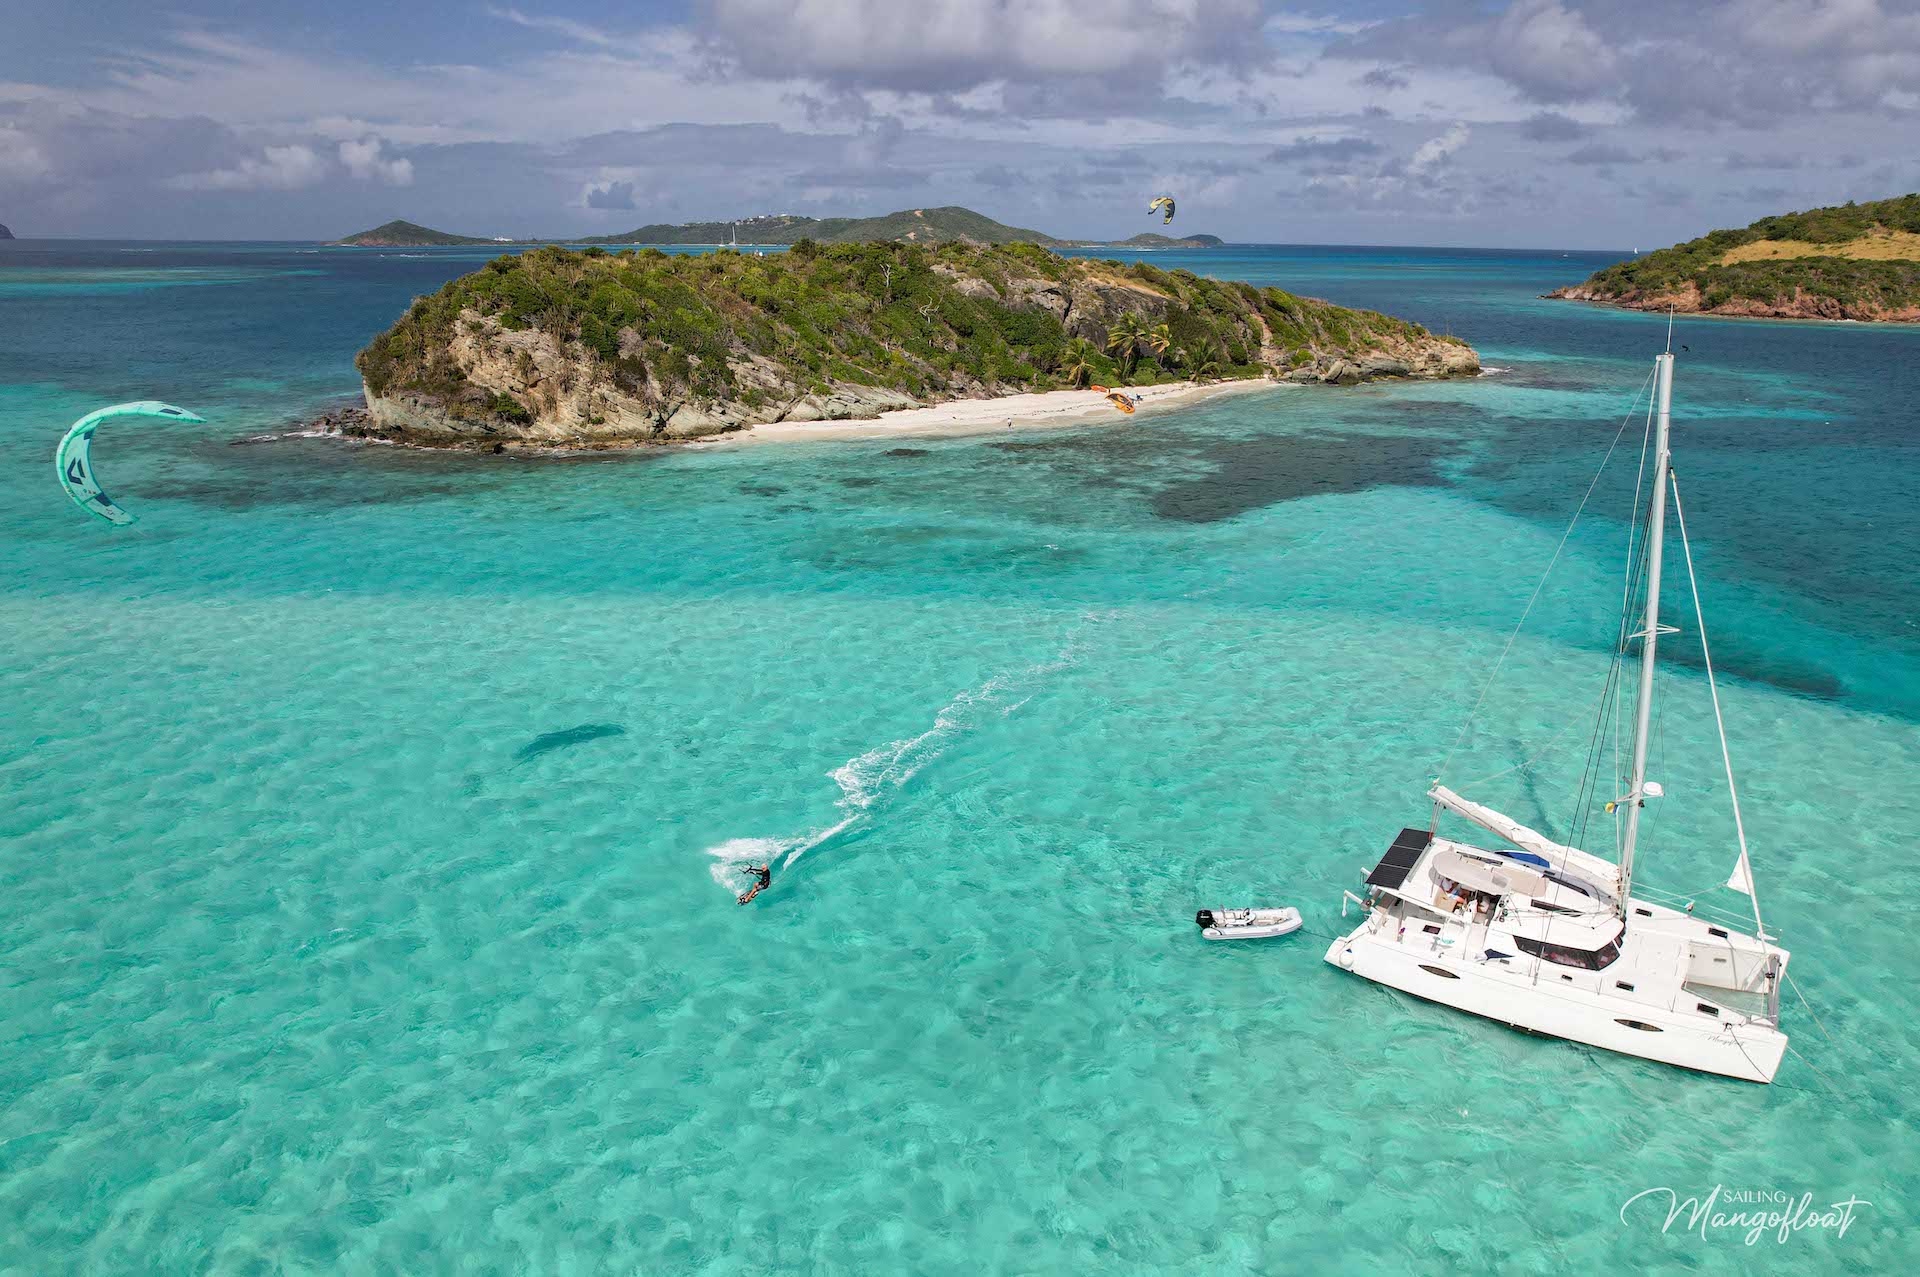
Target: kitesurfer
(762,876)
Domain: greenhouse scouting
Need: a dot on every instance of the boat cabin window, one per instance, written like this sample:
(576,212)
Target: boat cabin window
(1571,884)
(1562,955)
(1546,907)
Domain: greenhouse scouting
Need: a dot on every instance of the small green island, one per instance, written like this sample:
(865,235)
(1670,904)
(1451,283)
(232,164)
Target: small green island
(948,225)
(1853,261)
(591,348)
(401,234)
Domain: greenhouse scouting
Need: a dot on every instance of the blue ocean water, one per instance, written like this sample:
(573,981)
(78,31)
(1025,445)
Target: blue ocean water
(314,957)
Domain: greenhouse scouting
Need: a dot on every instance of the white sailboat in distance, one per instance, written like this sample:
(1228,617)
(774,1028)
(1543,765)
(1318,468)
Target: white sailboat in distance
(1553,939)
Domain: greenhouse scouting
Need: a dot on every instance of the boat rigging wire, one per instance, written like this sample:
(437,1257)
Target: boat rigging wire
(1541,585)
(1719,723)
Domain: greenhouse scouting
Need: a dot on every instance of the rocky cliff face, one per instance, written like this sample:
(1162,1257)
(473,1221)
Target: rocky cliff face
(617,353)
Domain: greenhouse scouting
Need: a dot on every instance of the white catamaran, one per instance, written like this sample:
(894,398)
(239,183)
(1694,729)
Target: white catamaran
(1552,939)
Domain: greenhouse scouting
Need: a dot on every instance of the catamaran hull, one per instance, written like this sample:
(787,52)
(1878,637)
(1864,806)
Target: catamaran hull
(1751,1052)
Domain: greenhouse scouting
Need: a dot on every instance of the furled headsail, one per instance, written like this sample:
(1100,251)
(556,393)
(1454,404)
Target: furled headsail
(73,459)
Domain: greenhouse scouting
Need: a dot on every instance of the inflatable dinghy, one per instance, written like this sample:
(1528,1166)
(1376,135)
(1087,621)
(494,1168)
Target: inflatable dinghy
(1246,924)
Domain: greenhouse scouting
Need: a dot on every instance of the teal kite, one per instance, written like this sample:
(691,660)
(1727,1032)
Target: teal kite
(74,458)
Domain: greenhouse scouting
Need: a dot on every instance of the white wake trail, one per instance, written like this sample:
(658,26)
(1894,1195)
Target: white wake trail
(867,780)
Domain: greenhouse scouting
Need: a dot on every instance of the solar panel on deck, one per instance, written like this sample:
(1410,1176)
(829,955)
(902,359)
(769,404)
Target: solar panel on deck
(1398,862)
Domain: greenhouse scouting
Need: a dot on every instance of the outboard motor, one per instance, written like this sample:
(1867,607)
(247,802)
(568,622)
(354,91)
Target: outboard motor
(1203,919)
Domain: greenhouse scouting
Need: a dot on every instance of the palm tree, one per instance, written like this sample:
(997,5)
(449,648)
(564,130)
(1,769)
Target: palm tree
(1205,363)
(1078,365)
(1123,339)
(1158,339)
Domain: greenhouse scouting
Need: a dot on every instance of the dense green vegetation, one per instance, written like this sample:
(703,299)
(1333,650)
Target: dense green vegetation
(1841,223)
(1848,283)
(931,322)
(398,234)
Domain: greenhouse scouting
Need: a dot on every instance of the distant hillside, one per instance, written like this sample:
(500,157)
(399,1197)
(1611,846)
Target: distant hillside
(947,225)
(775,230)
(5,233)
(912,226)
(1854,261)
(1151,240)
(398,234)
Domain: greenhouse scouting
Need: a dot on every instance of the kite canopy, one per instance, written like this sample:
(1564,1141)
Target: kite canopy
(73,460)
(1166,202)
(1120,401)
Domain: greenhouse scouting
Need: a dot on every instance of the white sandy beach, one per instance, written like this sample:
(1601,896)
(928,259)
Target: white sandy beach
(1019,412)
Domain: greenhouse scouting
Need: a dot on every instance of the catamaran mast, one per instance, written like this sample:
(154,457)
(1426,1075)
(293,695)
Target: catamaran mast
(1650,635)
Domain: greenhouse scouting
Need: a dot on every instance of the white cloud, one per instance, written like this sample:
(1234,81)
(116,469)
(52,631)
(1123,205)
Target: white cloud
(278,168)
(20,157)
(937,45)
(611,196)
(1546,48)
(1288,118)
(1292,22)
(364,161)
(1437,150)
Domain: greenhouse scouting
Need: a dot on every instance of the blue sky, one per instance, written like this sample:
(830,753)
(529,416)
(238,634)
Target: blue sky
(1539,123)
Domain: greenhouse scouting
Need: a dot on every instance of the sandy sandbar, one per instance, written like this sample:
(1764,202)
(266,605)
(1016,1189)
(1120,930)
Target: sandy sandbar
(1015,412)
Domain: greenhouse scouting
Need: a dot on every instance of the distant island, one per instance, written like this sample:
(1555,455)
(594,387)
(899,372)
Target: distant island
(1150,240)
(947,225)
(1854,261)
(559,348)
(5,233)
(398,234)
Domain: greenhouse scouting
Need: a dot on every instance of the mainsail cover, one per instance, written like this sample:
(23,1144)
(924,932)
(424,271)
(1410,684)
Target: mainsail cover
(1512,830)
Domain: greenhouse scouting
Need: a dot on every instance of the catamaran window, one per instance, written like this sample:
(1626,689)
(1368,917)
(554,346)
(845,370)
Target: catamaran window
(1561,955)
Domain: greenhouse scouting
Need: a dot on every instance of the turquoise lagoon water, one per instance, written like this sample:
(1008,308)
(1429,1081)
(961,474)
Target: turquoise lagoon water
(301,970)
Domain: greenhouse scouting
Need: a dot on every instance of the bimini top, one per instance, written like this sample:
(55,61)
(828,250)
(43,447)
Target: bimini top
(1481,872)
